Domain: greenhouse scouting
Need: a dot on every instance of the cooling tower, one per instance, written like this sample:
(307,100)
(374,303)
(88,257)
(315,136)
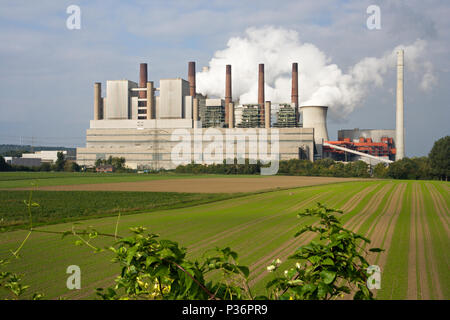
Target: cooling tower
(400,130)
(316,117)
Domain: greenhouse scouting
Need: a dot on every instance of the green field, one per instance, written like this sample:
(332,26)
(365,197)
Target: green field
(41,179)
(409,219)
(64,206)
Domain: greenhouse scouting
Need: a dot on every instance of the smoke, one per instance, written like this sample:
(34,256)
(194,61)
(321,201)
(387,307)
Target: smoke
(320,81)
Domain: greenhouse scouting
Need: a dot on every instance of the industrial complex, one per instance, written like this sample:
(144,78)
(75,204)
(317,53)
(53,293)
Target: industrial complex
(138,121)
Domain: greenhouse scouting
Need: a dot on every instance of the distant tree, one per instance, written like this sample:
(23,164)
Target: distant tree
(45,166)
(403,169)
(117,163)
(440,158)
(423,168)
(4,166)
(14,153)
(60,162)
(380,171)
(71,166)
(98,162)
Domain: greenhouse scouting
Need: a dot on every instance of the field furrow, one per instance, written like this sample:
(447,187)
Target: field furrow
(409,219)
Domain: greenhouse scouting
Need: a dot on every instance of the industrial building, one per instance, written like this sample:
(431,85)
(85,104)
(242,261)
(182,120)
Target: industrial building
(138,121)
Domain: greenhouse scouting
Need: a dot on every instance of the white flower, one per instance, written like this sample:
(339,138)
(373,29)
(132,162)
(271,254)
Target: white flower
(297,265)
(277,262)
(286,273)
(271,268)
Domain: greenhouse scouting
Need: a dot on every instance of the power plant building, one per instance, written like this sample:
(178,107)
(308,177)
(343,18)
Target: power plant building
(145,128)
(145,124)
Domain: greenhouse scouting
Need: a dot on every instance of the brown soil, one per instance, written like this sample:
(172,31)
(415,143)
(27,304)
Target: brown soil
(429,258)
(412,258)
(287,248)
(204,185)
(441,207)
(387,224)
(356,199)
(371,207)
(239,228)
(357,220)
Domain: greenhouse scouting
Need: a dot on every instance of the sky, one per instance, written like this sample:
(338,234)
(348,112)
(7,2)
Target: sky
(48,71)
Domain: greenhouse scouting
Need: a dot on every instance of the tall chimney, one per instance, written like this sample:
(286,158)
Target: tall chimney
(231,115)
(294,93)
(195,112)
(150,98)
(400,131)
(98,104)
(261,93)
(143,80)
(228,97)
(191,78)
(267,115)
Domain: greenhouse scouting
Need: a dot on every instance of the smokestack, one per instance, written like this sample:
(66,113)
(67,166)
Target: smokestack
(228,97)
(191,78)
(195,112)
(143,80)
(261,92)
(231,115)
(294,93)
(98,104)
(150,99)
(400,131)
(267,115)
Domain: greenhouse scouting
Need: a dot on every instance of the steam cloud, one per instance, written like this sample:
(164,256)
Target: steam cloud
(320,81)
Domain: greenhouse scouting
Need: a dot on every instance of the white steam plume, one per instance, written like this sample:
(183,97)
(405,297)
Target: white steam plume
(320,81)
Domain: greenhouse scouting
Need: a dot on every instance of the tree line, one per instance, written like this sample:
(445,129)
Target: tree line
(435,166)
(61,164)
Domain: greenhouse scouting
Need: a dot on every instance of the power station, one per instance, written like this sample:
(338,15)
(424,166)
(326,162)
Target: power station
(138,121)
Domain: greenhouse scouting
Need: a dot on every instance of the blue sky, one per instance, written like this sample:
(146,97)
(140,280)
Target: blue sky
(48,71)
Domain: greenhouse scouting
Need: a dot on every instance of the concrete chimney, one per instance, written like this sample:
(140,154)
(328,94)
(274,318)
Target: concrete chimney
(143,80)
(191,78)
(231,115)
(267,114)
(294,93)
(150,99)
(98,103)
(400,130)
(195,112)
(228,97)
(261,92)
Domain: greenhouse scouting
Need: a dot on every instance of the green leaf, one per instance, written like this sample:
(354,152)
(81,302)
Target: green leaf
(376,250)
(322,290)
(314,259)
(328,276)
(309,287)
(328,262)
(245,270)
